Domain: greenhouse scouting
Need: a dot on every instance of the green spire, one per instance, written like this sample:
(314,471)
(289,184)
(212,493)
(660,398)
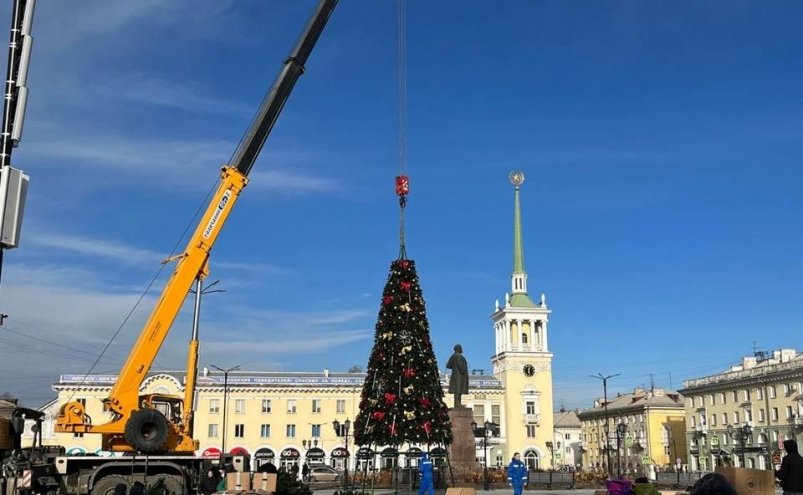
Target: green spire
(519,297)
(518,243)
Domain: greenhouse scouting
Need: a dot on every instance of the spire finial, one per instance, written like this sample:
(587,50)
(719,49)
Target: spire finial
(517,179)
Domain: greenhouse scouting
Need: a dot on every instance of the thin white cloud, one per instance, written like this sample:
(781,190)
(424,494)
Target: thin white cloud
(309,343)
(179,163)
(94,247)
(292,183)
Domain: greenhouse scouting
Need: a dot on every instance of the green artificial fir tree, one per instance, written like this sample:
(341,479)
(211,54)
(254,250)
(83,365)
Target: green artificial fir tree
(402,397)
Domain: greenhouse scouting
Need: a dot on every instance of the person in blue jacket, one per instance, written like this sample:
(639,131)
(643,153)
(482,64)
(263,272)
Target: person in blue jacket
(425,468)
(517,474)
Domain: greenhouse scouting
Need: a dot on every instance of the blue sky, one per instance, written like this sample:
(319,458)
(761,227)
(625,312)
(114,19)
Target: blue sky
(661,143)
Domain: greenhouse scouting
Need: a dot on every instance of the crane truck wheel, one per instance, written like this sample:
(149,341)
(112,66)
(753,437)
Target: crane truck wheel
(146,430)
(108,485)
(168,484)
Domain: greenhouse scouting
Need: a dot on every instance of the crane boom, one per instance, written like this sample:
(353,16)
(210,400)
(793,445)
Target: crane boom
(136,418)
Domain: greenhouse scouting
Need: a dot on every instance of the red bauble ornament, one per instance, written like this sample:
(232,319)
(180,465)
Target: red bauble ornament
(405,285)
(402,185)
(390,398)
(387,300)
(378,415)
(409,372)
(425,403)
(404,263)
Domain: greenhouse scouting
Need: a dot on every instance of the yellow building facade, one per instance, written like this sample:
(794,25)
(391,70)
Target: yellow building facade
(645,432)
(741,416)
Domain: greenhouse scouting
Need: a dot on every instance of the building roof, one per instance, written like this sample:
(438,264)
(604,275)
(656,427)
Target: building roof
(565,419)
(638,399)
(756,367)
(316,379)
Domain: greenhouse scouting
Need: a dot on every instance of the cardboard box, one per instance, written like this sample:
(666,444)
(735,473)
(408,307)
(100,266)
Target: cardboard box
(461,491)
(265,482)
(238,482)
(748,481)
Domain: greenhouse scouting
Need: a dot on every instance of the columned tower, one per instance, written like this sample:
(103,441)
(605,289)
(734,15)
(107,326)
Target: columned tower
(522,361)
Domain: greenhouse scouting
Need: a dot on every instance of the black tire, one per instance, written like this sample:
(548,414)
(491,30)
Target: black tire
(146,430)
(107,484)
(170,484)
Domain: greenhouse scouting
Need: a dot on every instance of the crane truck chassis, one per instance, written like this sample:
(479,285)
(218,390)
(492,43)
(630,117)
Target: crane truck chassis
(154,432)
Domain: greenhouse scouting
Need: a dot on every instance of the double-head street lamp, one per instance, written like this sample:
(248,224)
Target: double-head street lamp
(489,429)
(605,379)
(342,430)
(552,448)
(741,434)
(225,397)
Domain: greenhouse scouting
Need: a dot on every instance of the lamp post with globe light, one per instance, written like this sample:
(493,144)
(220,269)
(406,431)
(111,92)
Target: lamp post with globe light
(342,430)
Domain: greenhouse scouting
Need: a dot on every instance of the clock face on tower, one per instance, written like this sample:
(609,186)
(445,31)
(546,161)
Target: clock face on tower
(529,370)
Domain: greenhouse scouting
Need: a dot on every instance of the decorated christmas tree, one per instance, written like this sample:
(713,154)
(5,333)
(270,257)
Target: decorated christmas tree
(402,398)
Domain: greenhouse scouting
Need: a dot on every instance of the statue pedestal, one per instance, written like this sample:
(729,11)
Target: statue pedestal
(462,452)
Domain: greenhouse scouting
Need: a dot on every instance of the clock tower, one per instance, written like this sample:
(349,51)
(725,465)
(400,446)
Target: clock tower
(522,361)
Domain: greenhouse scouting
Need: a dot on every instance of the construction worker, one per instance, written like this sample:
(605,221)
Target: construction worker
(425,468)
(517,474)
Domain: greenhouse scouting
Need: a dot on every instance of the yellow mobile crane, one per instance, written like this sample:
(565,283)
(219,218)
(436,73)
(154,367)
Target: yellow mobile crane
(157,423)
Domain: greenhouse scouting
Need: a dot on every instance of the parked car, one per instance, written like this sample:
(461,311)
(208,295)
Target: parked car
(323,473)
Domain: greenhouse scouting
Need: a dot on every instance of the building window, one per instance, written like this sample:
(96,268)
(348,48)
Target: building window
(722,399)
(495,414)
(530,407)
(711,400)
(759,394)
(212,431)
(291,406)
(78,435)
(724,419)
(736,417)
(748,415)
(479,414)
(239,406)
(264,431)
(239,431)
(747,395)
(341,406)
(567,436)
(214,406)
(693,422)
(788,412)
(316,430)
(530,431)
(774,412)
(291,431)
(316,406)
(735,395)
(771,391)
(265,406)
(713,420)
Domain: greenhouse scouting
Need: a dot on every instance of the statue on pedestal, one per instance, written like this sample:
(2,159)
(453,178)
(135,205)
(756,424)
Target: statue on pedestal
(458,382)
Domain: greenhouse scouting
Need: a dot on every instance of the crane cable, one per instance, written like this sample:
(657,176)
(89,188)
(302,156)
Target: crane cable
(402,181)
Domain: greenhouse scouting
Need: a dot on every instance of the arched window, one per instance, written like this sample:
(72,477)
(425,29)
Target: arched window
(532,460)
(524,337)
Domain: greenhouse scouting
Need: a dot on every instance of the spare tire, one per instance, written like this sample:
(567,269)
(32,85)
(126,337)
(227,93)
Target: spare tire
(146,430)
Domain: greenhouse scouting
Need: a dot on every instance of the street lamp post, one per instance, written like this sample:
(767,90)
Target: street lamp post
(621,428)
(308,445)
(605,379)
(741,434)
(342,430)
(488,429)
(225,399)
(552,448)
